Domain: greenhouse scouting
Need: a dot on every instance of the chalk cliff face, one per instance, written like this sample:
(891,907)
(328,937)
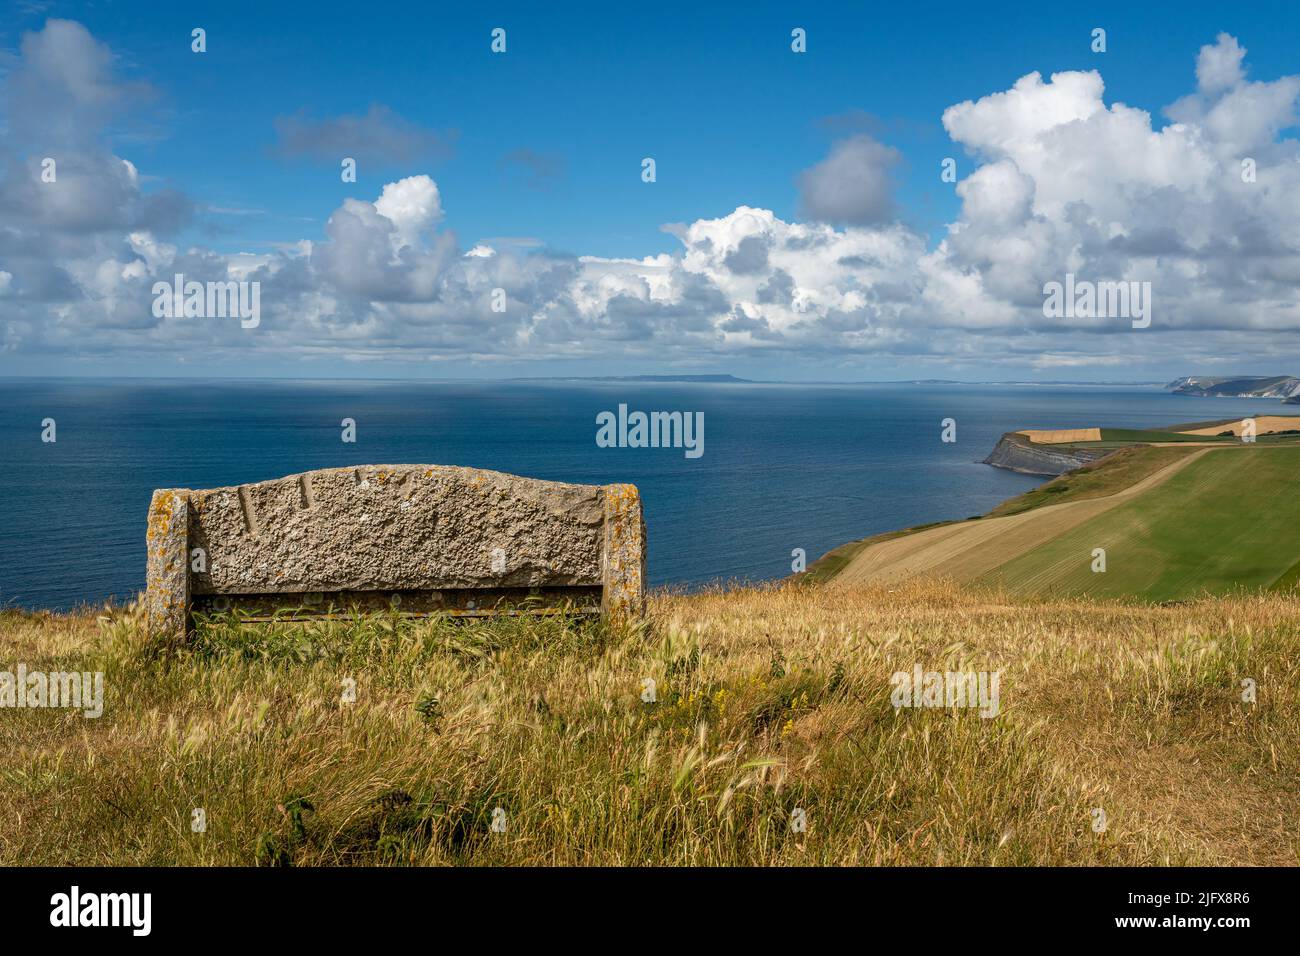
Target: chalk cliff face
(1015,452)
(1284,387)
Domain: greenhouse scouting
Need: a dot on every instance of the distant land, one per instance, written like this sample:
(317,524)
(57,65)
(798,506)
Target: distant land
(733,380)
(1285,387)
(712,379)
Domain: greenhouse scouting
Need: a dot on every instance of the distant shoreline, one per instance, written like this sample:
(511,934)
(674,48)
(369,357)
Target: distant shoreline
(596,379)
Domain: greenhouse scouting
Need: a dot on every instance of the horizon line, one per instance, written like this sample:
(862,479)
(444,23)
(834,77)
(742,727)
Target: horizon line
(641,379)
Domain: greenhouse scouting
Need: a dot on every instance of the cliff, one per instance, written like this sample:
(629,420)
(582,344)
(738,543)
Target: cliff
(1284,387)
(1015,452)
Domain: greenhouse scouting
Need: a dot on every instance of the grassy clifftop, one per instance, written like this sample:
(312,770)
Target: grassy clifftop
(768,701)
(1150,522)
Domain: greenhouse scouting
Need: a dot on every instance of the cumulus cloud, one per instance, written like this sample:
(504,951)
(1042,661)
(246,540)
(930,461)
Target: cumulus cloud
(412,205)
(1069,184)
(68,206)
(853,185)
(1218,67)
(64,88)
(1062,182)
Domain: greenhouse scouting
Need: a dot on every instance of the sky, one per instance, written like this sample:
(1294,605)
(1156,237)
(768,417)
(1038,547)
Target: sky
(798,225)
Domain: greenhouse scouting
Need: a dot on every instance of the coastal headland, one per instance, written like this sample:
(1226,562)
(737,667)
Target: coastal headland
(1147,514)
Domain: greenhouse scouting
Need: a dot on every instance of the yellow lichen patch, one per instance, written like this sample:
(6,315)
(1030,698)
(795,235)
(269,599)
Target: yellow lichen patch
(160,518)
(624,553)
(622,497)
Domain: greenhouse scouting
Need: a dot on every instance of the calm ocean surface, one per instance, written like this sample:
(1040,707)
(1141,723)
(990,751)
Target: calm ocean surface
(784,466)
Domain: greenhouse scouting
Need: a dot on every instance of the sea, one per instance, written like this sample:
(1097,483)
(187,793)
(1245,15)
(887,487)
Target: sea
(785,469)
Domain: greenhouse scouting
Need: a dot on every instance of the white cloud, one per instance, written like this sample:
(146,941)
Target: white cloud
(1063,182)
(1075,186)
(412,205)
(1218,67)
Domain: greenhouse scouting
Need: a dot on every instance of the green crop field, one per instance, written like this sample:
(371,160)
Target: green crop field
(1224,522)
(1130,435)
(1104,477)
(1123,437)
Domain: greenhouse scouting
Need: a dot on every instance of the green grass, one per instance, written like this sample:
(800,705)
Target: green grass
(1273,438)
(1289,581)
(1126,437)
(1149,436)
(1193,426)
(1113,473)
(1220,524)
(832,562)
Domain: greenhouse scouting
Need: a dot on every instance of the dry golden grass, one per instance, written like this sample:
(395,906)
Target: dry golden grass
(1060,436)
(1264,424)
(769,701)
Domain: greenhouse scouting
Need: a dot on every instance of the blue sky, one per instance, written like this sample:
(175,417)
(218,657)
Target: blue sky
(715,95)
(544,143)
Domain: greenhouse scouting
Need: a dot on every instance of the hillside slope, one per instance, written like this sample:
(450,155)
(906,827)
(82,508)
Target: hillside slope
(1227,520)
(1214,519)
(768,701)
(966,550)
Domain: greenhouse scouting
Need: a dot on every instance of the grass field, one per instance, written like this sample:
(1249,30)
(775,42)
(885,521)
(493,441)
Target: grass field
(1263,423)
(966,551)
(834,561)
(1105,477)
(1225,521)
(1174,522)
(768,701)
(1270,429)
(1126,437)
(1131,435)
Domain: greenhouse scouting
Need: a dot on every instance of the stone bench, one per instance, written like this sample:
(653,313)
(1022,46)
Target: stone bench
(418,540)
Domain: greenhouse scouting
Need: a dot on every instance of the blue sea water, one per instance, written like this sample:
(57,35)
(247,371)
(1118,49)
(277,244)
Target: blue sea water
(784,466)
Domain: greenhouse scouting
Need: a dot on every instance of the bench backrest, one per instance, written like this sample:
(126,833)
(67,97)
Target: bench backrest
(418,539)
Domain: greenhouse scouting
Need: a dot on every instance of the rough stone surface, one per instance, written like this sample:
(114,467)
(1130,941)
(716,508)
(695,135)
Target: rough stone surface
(1015,452)
(167,594)
(624,554)
(398,528)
